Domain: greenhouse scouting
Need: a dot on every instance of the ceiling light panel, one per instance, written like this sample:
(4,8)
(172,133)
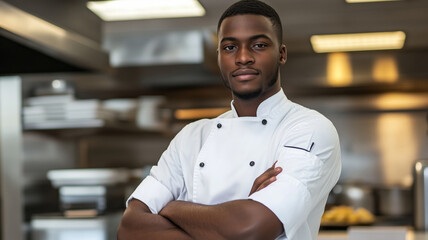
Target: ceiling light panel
(358,42)
(120,10)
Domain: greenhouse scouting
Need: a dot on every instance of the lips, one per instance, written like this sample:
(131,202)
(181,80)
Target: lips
(245,74)
(244,71)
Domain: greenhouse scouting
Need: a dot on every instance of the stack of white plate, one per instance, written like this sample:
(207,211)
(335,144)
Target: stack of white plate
(89,176)
(63,111)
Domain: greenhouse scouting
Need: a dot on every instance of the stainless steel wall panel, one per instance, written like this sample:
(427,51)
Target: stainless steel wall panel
(11,158)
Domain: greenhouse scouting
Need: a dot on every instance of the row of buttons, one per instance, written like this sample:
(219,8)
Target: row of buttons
(202,164)
(264,122)
(252,163)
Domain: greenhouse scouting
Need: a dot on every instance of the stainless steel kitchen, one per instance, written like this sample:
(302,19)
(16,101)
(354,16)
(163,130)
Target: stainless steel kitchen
(92,94)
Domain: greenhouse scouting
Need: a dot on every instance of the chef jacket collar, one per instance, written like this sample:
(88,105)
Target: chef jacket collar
(275,105)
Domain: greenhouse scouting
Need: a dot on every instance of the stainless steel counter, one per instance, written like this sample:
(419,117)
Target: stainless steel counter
(58,227)
(343,235)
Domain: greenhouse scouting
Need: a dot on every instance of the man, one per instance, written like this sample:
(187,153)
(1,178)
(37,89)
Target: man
(260,171)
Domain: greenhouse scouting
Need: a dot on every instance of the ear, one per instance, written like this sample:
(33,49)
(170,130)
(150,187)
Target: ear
(282,54)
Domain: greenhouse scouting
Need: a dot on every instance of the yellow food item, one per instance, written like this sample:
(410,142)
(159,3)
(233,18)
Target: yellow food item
(364,215)
(346,215)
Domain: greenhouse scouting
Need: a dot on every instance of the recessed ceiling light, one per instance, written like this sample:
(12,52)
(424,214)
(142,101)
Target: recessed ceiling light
(339,69)
(119,10)
(358,41)
(363,1)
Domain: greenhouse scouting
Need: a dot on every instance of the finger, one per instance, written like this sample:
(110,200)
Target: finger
(266,183)
(273,166)
(265,176)
(272,173)
(265,179)
(260,180)
(268,174)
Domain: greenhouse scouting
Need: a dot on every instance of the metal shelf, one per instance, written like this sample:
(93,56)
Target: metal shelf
(65,124)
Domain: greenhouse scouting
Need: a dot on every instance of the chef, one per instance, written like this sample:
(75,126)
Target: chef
(262,170)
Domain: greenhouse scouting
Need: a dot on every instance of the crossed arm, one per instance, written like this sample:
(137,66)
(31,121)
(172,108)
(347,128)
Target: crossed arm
(239,219)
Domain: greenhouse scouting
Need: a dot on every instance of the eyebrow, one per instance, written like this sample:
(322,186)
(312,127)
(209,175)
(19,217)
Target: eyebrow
(251,38)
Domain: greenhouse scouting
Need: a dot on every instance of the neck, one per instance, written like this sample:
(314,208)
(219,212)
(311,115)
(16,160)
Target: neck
(248,108)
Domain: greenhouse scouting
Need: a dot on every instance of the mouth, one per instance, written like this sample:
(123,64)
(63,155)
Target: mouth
(245,73)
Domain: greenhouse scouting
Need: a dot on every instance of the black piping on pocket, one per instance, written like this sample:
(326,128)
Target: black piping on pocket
(304,149)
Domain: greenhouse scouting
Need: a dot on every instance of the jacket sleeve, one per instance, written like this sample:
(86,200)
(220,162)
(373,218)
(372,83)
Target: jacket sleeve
(310,158)
(165,182)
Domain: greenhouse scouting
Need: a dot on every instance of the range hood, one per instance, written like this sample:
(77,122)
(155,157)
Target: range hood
(29,44)
(165,58)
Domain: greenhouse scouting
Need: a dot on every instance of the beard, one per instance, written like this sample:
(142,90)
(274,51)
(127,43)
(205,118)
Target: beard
(248,95)
(253,94)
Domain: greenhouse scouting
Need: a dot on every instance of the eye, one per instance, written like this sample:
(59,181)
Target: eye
(260,45)
(229,48)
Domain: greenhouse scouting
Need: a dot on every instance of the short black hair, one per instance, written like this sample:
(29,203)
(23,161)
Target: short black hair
(254,7)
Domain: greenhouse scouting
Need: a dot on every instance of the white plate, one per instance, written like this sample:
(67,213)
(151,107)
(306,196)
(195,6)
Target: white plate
(92,176)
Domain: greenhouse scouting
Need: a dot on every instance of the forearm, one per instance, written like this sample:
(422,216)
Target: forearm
(240,219)
(139,223)
(200,221)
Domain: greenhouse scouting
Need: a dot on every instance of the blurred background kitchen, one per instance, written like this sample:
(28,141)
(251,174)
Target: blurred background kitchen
(91,95)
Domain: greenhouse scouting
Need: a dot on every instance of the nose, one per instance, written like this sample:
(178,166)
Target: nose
(244,57)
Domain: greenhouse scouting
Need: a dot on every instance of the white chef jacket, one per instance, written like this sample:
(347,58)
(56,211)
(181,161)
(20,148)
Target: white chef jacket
(212,161)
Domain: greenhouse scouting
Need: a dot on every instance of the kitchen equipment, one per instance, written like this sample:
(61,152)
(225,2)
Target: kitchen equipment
(355,195)
(92,176)
(149,116)
(55,87)
(83,197)
(394,201)
(125,109)
(421,194)
(378,233)
(90,189)
(58,227)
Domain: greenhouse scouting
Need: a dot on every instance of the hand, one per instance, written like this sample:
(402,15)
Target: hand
(268,177)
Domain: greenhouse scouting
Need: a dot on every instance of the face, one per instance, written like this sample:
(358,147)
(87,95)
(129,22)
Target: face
(249,56)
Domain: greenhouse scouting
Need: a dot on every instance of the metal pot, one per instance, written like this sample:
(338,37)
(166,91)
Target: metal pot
(394,201)
(355,195)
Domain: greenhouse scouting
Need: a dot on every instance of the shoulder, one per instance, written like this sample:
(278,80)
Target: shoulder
(302,117)
(195,133)
(302,124)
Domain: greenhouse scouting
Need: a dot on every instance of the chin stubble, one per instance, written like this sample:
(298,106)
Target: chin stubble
(249,95)
(253,94)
